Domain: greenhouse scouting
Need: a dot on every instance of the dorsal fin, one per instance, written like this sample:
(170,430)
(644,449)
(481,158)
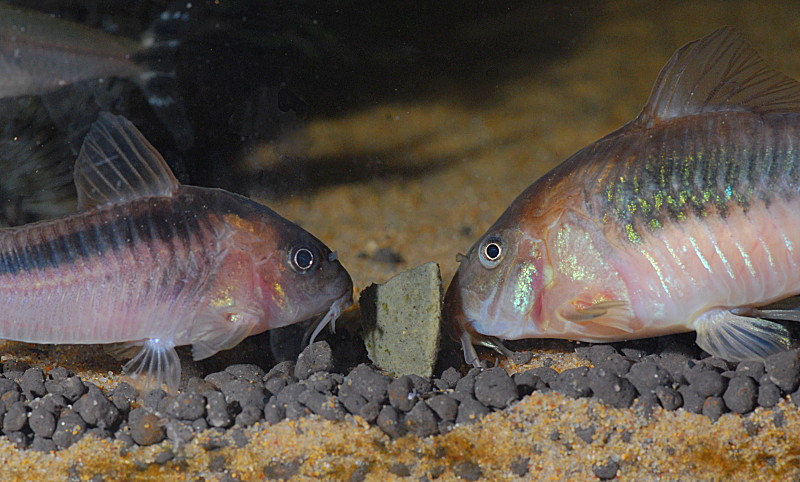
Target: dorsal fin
(719,72)
(117,164)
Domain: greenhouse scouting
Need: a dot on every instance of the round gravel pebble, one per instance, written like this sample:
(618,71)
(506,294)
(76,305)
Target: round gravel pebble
(445,406)
(708,383)
(96,409)
(519,466)
(669,398)
(42,422)
(495,388)
(326,406)
(247,372)
(15,418)
(741,395)
(279,376)
(573,383)
(606,471)
(42,444)
(713,408)
(368,383)
(692,401)
(402,394)
(784,370)
(32,383)
(647,375)
(187,406)
(274,411)
(611,389)
(471,411)
(390,422)
(145,428)
(70,429)
(315,358)
(768,394)
(468,470)
(218,413)
(449,378)
(421,420)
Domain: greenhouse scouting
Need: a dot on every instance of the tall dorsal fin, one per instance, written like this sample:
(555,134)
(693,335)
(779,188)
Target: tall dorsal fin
(719,72)
(117,164)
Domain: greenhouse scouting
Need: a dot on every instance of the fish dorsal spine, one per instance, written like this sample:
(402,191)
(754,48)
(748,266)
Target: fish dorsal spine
(719,72)
(117,164)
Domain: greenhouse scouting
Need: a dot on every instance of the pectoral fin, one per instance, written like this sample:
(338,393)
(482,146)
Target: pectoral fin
(222,332)
(734,337)
(155,365)
(614,314)
(468,342)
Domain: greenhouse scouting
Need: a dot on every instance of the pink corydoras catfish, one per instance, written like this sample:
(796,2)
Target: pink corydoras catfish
(155,264)
(684,219)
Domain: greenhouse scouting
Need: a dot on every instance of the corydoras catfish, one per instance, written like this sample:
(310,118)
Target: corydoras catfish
(156,264)
(40,54)
(684,219)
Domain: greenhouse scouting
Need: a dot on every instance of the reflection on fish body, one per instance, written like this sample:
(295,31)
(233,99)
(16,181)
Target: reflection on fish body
(156,264)
(40,54)
(684,219)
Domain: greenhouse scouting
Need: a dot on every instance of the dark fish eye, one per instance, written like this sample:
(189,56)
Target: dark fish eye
(491,252)
(303,259)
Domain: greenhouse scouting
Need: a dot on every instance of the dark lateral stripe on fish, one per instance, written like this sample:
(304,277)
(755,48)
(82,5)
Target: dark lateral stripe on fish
(715,167)
(163,224)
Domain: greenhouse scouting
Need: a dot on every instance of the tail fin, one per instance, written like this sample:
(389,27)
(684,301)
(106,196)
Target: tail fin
(159,83)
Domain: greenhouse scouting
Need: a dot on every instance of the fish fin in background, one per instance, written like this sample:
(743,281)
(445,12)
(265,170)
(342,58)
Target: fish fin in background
(155,365)
(117,164)
(724,334)
(74,108)
(159,81)
(719,72)
(784,315)
(610,314)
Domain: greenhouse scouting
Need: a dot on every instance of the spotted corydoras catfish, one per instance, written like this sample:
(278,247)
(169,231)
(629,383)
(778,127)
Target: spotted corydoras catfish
(156,264)
(40,53)
(684,219)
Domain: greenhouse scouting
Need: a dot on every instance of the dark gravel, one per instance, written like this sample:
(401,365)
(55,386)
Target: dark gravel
(53,410)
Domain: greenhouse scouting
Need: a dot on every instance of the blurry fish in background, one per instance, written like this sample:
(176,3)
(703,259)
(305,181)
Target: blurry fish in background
(37,167)
(41,54)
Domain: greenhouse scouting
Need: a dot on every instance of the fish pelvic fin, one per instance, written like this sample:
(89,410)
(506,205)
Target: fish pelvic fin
(117,164)
(719,72)
(468,342)
(598,317)
(722,333)
(156,365)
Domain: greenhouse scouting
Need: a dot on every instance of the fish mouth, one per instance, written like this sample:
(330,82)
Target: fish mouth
(328,318)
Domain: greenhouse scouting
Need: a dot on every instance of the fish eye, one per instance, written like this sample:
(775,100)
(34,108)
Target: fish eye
(491,252)
(303,259)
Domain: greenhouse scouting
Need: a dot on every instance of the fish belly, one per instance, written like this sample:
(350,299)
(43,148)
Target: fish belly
(749,257)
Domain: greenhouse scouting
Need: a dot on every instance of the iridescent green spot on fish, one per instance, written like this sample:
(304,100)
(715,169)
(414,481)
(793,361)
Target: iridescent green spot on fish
(523,293)
(633,236)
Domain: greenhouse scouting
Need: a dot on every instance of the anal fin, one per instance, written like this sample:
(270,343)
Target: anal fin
(155,365)
(735,337)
